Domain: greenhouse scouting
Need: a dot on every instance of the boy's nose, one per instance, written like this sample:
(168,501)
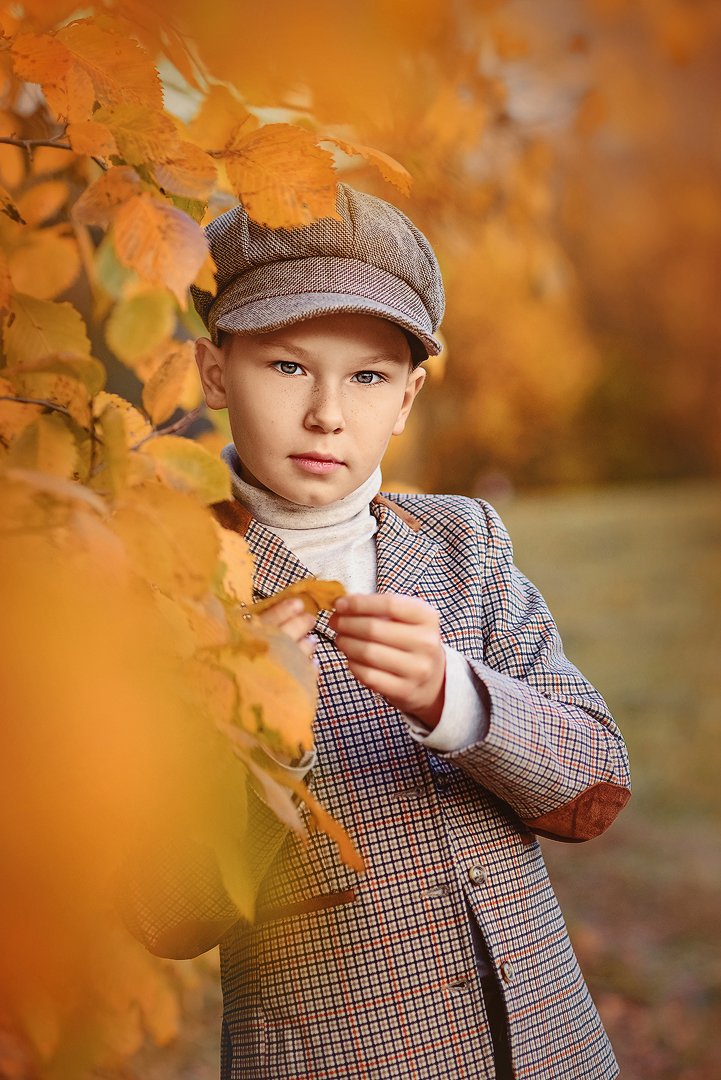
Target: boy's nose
(325,412)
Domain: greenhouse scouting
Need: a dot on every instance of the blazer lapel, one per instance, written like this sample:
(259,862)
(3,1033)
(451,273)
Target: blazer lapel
(403,555)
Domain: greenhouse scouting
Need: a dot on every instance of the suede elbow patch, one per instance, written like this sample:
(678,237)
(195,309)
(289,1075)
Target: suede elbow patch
(583,818)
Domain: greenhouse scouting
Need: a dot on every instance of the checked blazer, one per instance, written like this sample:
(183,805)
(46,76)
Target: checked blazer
(374,975)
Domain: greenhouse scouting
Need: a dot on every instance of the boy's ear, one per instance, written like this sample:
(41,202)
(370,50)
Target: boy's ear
(415,381)
(210,359)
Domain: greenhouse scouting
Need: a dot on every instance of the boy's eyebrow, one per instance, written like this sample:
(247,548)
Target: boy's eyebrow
(303,354)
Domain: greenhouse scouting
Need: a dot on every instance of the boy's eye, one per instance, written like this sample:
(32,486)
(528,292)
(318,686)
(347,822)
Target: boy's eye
(287,367)
(369,378)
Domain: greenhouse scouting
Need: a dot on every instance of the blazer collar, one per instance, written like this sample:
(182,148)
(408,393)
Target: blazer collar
(402,552)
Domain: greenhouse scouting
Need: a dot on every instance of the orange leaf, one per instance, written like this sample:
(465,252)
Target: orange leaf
(316,595)
(120,69)
(99,203)
(43,201)
(188,171)
(390,169)
(46,264)
(15,416)
(40,58)
(92,138)
(6,285)
(142,134)
(73,96)
(219,118)
(282,178)
(161,243)
(205,278)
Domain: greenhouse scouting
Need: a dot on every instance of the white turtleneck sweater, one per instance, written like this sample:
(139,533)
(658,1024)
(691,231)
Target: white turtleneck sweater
(336,542)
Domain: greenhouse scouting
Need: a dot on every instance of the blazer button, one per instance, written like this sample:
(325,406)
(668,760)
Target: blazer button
(442,782)
(507,971)
(477,874)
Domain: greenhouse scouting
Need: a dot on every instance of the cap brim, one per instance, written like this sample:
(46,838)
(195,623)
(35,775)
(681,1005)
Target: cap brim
(272,313)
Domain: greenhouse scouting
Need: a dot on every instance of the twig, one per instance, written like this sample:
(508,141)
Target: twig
(28,145)
(171,429)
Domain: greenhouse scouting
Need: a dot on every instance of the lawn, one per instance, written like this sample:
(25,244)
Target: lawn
(633,576)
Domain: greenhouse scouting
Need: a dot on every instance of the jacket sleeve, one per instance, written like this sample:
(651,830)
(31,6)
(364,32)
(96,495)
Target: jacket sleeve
(552,750)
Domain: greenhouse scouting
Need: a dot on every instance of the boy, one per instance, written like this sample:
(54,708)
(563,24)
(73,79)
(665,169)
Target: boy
(451,729)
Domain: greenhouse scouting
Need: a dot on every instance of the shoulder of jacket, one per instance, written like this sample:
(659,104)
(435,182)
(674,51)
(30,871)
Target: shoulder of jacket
(442,516)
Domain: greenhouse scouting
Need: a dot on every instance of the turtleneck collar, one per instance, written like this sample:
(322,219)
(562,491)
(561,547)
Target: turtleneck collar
(279,513)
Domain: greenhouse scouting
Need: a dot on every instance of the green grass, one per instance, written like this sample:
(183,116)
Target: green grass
(633,577)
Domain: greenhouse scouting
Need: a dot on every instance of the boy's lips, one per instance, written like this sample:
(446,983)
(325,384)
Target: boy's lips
(316,463)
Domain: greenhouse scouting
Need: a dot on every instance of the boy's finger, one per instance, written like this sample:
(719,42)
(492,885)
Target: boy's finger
(385,605)
(372,655)
(408,637)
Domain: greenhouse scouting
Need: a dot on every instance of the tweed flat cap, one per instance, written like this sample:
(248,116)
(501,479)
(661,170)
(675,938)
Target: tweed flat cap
(372,259)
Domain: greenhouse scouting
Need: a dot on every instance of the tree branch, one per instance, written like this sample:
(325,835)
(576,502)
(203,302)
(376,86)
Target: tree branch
(28,145)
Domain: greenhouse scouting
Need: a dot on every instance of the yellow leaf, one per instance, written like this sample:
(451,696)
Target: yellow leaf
(47,445)
(237,566)
(15,416)
(35,329)
(277,690)
(99,203)
(50,159)
(170,538)
(136,426)
(219,118)
(42,201)
(281,176)
(110,475)
(161,243)
(390,169)
(120,69)
(162,390)
(141,134)
(90,137)
(46,264)
(188,171)
(316,595)
(183,464)
(140,324)
(59,387)
(323,821)
(86,369)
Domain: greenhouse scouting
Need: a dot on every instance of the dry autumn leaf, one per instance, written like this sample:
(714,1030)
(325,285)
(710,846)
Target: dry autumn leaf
(390,169)
(187,170)
(35,329)
(120,69)
(141,134)
(90,137)
(281,176)
(140,324)
(162,391)
(162,244)
(316,595)
(187,466)
(100,202)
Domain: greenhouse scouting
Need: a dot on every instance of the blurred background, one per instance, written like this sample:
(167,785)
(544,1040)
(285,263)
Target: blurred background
(565,161)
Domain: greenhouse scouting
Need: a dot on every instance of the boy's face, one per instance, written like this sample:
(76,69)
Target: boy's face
(312,406)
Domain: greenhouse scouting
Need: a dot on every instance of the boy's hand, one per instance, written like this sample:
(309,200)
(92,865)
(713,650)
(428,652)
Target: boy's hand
(291,617)
(393,645)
